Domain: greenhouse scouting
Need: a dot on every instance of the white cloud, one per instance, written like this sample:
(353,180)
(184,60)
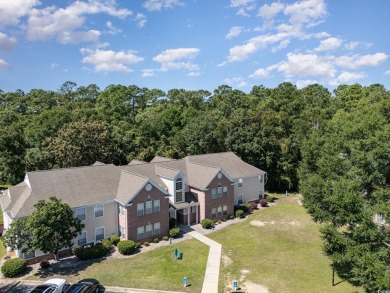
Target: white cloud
(108,60)
(308,12)
(260,73)
(234,32)
(243,6)
(304,83)
(357,61)
(387,72)
(66,25)
(12,10)
(269,11)
(156,5)
(140,19)
(148,72)
(306,65)
(329,44)
(4,64)
(347,78)
(172,59)
(112,30)
(283,44)
(7,43)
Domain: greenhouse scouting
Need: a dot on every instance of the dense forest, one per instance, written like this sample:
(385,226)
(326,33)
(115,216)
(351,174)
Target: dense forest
(332,147)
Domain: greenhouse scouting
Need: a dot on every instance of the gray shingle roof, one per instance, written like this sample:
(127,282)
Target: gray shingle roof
(158,159)
(129,185)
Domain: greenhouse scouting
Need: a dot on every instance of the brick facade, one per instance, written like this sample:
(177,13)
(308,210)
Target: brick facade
(134,221)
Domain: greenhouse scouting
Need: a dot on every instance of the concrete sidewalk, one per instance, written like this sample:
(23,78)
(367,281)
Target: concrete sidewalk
(210,282)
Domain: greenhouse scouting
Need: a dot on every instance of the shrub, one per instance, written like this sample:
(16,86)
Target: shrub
(231,217)
(270,198)
(138,245)
(115,239)
(13,267)
(155,240)
(253,205)
(107,244)
(207,223)
(174,232)
(165,238)
(239,213)
(96,251)
(126,247)
(44,264)
(172,223)
(146,243)
(263,202)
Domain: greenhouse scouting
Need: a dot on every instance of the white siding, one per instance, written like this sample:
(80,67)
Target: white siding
(250,190)
(171,188)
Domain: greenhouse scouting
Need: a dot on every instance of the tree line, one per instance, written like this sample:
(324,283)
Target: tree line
(332,147)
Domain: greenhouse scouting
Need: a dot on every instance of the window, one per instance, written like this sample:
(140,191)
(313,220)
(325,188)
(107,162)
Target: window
(82,238)
(213,213)
(379,218)
(122,231)
(225,210)
(179,184)
(80,213)
(219,211)
(157,228)
(98,210)
(149,230)
(240,199)
(219,191)
(99,233)
(140,209)
(179,196)
(224,191)
(179,190)
(156,205)
(213,193)
(122,209)
(140,233)
(240,182)
(261,178)
(29,255)
(148,207)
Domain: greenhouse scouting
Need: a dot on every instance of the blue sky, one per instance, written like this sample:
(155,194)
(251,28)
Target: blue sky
(193,44)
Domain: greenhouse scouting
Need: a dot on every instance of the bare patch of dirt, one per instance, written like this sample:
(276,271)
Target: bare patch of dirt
(257,223)
(226,260)
(250,287)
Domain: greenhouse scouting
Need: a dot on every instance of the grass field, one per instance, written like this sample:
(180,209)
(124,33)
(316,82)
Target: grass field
(2,248)
(280,248)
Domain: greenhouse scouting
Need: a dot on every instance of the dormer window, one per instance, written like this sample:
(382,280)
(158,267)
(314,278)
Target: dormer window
(179,190)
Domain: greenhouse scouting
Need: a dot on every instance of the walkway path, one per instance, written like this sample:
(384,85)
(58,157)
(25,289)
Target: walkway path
(210,282)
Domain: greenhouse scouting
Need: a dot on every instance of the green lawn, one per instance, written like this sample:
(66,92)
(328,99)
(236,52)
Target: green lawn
(284,253)
(156,269)
(2,248)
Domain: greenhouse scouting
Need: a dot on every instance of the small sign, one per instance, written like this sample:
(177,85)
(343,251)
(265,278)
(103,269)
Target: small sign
(235,285)
(185,281)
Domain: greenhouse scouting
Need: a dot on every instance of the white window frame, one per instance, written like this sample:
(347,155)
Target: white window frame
(139,210)
(148,210)
(143,233)
(225,210)
(219,212)
(97,209)
(148,230)
(179,181)
(78,215)
(239,199)
(179,190)
(219,191)
(214,213)
(240,182)
(261,178)
(157,231)
(97,228)
(79,238)
(156,206)
(213,193)
(224,191)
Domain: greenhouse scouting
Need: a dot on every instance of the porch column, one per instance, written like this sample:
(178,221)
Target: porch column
(197,220)
(188,216)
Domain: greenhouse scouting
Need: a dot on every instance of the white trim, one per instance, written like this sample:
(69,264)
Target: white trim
(85,212)
(86,237)
(94,210)
(104,233)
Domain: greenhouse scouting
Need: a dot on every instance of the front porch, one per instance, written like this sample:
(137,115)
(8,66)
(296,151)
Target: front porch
(186,213)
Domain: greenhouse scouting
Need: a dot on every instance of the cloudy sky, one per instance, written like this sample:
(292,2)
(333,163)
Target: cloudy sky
(193,44)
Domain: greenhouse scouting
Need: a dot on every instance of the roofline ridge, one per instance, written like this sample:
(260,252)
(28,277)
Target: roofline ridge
(135,174)
(209,154)
(70,168)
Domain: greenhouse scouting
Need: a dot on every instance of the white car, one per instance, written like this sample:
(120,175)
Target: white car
(56,285)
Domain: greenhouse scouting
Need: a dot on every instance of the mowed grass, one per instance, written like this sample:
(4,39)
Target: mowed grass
(156,269)
(2,248)
(283,253)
